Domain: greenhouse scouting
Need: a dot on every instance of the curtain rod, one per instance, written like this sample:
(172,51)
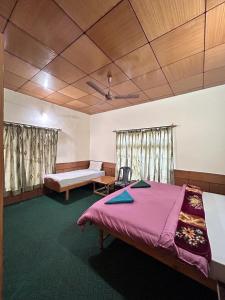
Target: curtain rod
(147,128)
(28,125)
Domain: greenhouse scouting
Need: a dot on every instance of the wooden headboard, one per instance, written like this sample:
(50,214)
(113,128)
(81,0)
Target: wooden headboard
(71,166)
(208,182)
(108,167)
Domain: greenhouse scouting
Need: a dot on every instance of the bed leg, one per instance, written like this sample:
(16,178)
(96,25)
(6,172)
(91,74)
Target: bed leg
(101,239)
(67,195)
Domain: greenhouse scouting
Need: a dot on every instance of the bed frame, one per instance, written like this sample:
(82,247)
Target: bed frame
(161,255)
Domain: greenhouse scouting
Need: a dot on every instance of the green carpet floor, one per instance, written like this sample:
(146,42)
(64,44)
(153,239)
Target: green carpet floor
(47,256)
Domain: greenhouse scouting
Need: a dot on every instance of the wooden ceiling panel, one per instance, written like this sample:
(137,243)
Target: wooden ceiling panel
(113,41)
(2,23)
(35,90)
(127,87)
(10,87)
(72,92)
(90,100)
(99,108)
(215,26)
(117,75)
(75,104)
(214,77)
(25,47)
(118,32)
(90,110)
(6,7)
(44,20)
(212,3)
(48,81)
(85,12)
(182,42)
(138,62)
(187,84)
(215,57)
(99,95)
(12,80)
(150,80)
(85,55)
(18,66)
(64,70)
(159,92)
(119,103)
(183,68)
(160,16)
(104,106)
(58,98)
(82,85)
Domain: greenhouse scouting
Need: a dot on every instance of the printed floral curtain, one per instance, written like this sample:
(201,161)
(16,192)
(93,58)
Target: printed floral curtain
(149,153)
(29,153)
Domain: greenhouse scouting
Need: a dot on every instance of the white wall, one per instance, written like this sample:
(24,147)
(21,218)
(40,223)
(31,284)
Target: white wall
(199,137)
(74,139)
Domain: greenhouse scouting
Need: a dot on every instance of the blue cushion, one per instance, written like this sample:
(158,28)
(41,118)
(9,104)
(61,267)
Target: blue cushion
(124,197)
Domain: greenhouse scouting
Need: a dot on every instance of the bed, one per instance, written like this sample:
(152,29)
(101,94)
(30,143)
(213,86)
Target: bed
(64,182)
(150,226)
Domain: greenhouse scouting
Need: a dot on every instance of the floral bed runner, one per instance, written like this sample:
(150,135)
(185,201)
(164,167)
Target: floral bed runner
(191,232)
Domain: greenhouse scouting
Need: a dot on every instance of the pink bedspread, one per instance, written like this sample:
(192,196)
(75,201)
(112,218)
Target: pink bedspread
(151,219)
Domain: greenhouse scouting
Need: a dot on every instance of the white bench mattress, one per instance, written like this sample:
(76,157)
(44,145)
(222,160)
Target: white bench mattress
(73,177)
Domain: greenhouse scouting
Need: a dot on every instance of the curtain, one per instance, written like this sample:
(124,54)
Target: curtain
(149,153)
(29,153)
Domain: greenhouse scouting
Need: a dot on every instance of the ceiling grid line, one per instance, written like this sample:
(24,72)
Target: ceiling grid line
(7,20)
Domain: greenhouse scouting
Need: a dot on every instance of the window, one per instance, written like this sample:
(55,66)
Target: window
(149,153)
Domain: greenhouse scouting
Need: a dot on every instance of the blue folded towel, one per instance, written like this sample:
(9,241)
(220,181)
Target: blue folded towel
(141,184)
(124,197)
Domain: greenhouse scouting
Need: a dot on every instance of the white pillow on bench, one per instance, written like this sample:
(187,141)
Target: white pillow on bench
(95,165)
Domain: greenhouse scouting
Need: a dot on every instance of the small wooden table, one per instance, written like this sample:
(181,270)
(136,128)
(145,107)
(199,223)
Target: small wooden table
(106,181)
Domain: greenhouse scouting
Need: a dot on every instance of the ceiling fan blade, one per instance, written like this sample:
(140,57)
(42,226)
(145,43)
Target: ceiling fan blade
(95,87)
(133,96)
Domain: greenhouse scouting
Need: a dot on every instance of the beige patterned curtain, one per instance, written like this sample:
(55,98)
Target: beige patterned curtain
(149,153)
(29,153)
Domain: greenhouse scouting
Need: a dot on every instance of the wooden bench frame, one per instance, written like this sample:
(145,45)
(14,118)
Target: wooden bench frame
(51,184)
(55,186)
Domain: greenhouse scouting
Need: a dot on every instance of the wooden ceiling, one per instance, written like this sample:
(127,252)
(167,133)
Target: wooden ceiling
(156,48)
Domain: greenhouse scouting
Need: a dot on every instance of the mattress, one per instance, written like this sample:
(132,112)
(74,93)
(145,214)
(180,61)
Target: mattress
(143,220)
(214,206)
(73,177)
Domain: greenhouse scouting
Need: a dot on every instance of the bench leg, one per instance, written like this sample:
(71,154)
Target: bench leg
(67,193)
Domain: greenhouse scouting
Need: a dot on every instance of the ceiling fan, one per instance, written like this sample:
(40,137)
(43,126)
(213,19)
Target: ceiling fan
(109,95)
